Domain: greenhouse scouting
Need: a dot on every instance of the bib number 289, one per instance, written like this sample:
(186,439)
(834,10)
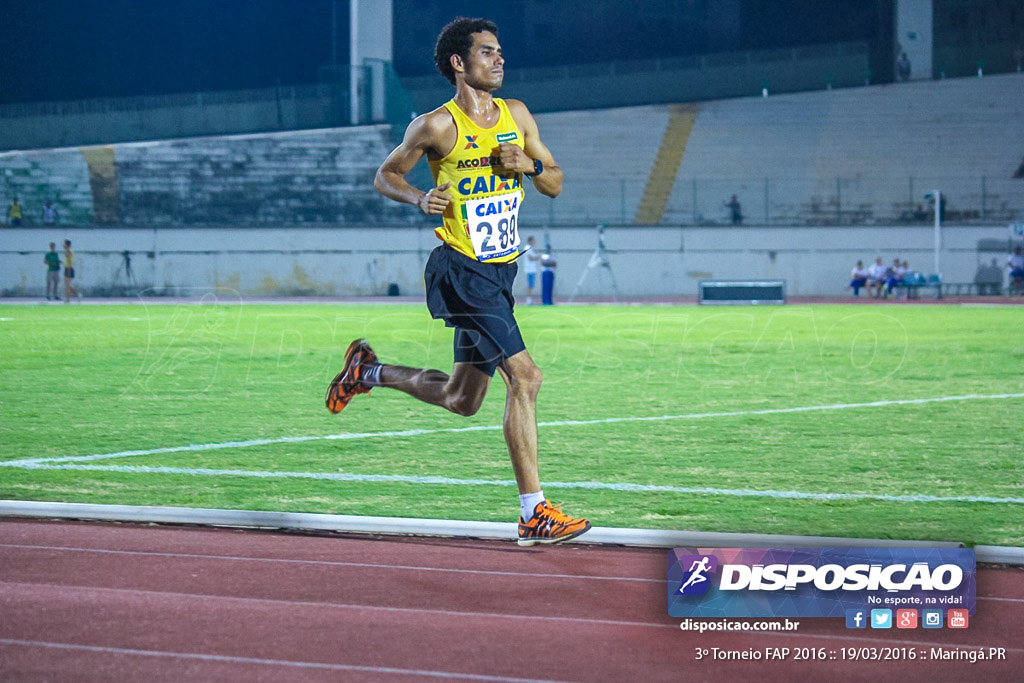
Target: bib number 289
(506,235)
(493,226)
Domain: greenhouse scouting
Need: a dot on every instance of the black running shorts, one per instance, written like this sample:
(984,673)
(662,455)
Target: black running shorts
(476,299)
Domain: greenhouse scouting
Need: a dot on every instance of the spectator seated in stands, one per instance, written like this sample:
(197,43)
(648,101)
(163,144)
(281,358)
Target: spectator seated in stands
(858,278)
(877,274)
(1015,262)
(893,277)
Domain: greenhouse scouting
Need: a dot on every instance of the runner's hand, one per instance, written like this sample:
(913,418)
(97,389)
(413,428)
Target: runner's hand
(435,200)
(512,159)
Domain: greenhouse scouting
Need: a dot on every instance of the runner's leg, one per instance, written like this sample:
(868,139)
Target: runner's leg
(522,379)
(461,392)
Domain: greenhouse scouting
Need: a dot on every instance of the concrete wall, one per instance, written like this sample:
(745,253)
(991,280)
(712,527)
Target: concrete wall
(647,262)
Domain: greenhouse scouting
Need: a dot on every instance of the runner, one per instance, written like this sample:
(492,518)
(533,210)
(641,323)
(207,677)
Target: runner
(479,148)
(69,273)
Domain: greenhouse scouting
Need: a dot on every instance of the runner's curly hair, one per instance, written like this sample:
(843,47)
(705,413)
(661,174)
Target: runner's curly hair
(456,39)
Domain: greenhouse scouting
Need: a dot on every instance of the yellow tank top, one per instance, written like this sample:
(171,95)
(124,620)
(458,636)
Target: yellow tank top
(483,220)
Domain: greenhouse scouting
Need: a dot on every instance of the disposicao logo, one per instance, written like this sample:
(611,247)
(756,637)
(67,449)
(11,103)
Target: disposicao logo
(696,581)
(818,582)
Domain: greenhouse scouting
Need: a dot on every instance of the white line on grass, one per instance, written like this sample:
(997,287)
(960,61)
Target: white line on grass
(487,428)
(72,462)
(447,481)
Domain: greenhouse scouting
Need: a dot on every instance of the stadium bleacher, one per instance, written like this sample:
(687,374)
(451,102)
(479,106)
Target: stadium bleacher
(859,156)
(854,156)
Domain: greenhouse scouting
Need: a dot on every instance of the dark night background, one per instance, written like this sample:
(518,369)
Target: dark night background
(73,49)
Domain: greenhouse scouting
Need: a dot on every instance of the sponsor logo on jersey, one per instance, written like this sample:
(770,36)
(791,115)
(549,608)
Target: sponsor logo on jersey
(479,162)
(484,184)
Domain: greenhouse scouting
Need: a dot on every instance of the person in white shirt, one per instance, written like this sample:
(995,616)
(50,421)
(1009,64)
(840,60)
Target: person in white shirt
(1015,262)
(49,214)
(530,267)
(876,278)
(858,277)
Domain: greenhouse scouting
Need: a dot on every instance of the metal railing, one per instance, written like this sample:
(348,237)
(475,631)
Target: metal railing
(968,200)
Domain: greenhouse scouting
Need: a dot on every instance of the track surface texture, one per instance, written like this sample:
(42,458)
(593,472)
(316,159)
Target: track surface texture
(119,602)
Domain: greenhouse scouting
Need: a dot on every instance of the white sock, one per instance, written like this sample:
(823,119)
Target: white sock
(527,503)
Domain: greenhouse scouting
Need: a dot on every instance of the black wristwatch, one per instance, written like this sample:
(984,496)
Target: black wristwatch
(538,168)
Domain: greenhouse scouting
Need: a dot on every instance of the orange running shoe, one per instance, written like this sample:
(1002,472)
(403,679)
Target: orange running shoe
(550,525)
(348,382)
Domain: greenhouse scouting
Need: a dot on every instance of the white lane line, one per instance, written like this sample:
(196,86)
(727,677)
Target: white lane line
(327,563)
(65,590)
(195,656)
(481,428)
(367,565)
(589,485)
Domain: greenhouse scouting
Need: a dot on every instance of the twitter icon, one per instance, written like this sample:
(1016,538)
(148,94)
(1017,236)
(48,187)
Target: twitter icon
(881,618)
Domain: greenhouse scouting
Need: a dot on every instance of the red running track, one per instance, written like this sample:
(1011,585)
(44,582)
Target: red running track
(103,602)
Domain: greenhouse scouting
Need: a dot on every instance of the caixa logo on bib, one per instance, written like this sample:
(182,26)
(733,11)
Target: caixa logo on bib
(816,582)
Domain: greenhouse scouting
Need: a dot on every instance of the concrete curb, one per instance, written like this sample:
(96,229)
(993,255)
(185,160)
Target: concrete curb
(652,538)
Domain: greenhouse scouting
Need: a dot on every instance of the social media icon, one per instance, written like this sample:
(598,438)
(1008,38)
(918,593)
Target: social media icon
(906,618)
(931,618)
(881,618)
(957,618)
(856,618)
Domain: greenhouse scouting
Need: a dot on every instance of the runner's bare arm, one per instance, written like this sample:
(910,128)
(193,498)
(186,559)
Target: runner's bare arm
(521,160)
(421,138)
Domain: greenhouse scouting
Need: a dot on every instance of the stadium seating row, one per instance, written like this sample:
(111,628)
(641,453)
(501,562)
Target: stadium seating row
(852,156)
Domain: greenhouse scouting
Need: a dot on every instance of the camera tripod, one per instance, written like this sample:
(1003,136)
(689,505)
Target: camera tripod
(599,259)
(129,275)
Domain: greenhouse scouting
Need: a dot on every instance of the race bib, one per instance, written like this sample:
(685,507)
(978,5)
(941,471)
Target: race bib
(493,225)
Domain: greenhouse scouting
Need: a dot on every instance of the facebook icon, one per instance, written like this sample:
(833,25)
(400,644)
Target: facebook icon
(856,618)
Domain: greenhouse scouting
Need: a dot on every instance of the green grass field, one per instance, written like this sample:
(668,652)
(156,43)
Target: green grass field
(820,420)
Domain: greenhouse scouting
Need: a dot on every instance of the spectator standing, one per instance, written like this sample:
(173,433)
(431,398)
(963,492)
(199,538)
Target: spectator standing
(15,214)
(69,273)
(530,267)
(52,261)
(903,67)
(735,210)
(49,214)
